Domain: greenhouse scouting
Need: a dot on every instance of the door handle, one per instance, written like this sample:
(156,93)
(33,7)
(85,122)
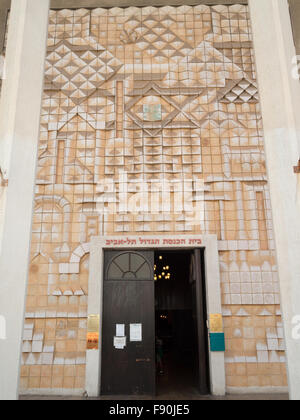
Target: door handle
(143,360)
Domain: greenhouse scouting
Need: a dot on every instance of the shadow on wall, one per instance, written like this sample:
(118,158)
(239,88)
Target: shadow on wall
(295,16)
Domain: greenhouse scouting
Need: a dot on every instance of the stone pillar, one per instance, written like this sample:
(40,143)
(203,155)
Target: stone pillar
(20,110)
(280,102)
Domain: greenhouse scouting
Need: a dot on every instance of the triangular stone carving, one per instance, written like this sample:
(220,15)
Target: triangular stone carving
(243,91)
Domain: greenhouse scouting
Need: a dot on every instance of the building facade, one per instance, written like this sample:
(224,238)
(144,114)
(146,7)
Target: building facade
(151,137)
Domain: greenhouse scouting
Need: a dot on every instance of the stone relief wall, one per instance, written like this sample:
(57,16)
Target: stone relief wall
(145,95)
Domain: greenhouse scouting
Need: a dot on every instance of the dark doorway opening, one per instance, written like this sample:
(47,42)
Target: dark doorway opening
(180,324)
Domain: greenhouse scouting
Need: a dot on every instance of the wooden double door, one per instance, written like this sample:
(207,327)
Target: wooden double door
(128,331)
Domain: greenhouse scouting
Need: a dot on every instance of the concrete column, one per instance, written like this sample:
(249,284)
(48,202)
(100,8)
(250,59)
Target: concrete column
(20,110)
(280,102)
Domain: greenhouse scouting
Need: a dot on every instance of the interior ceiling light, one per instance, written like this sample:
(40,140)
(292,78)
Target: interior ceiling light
(164,271)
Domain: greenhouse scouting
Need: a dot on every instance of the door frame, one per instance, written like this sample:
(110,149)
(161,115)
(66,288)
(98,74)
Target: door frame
(176,242)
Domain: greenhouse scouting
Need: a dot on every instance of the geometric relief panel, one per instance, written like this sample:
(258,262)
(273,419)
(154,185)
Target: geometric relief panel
(140,99)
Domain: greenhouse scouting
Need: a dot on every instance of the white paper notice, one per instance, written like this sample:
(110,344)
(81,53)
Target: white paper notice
(135,332)
(119,342)
(120,330)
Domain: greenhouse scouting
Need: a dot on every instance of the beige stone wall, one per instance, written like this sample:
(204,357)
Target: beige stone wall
(4,18)
(164,95)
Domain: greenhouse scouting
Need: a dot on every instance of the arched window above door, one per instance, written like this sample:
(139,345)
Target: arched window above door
(129,266)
